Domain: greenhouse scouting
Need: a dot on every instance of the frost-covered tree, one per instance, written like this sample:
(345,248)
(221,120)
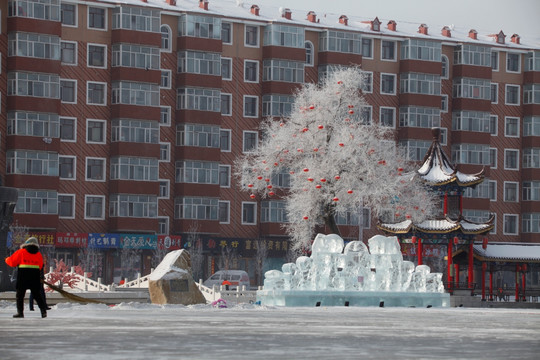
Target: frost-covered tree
(333,159)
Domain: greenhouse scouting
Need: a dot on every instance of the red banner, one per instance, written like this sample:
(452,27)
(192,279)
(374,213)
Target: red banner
(71,240)
(169,242)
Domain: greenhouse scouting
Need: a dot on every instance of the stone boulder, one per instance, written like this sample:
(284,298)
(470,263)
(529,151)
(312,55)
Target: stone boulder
(172,281)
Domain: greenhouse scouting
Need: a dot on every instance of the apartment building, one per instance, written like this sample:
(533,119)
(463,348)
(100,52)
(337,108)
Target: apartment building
(122,119)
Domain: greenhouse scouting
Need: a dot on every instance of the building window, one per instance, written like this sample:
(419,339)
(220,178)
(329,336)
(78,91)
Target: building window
(468,88)
(165,79)
(367,48)
(165,38)
(224,212)
(493,158)
(511,159)
(467,54)
(388,84)
(96,18)
(367,83)
(196,208)
(164,152)
(445,65)
(95,169)
(66,206)
(251,71)
(530,223)
(226,104)
(423,117)
(34,84)
(531,126)
(444,103)
(197,135)
(475,154)
(495,60)
(444,136)
(133,93)
(68,52)
(136,56)
(309,53)
(226,33)
(511,191)
(510,224)
(531,158)
(226,68)
(197,62)
(165,116)
(277,105)
(68,91)
(274,212)
(339,41)
(44,125)
(531,191)
(531,94)
(251,36)
(39,46)
(387,117)
(388,50)
(513,62)
(251,106)
(68,129)
(31,162)
(494,93)
(415,83)
(197,172)
(250,141)
(249,213)
(96,93)
(163,225)
(284,35)
(202,99)
(134,206)
(67,167)
(206,27)
(225,140)
(164,186)
(136,18)
(283,70)
(511,127)
(417,49)
(94,207)
(512,95)
(34,9)
(416,150)
(466,120)
(225,176)
(95,131)
(493,125)
(68,14)
(37,202)
(139,131)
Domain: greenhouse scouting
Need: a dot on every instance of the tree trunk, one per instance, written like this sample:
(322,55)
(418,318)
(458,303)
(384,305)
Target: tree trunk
(330,220)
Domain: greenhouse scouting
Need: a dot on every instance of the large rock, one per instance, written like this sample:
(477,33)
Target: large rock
(172,281)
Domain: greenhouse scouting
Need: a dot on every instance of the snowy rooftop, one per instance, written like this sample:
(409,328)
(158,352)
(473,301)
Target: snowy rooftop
(437,169)
(509,251)
(442,226)
(238,9)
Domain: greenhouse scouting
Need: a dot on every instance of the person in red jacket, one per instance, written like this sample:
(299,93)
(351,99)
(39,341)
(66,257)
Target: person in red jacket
(29,261)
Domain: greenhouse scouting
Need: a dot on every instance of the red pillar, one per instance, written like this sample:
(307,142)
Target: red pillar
(518,269)
(484,281)
(456,273)
(420,250)
(445,203)
(449,264)
(471,263)
(491,283)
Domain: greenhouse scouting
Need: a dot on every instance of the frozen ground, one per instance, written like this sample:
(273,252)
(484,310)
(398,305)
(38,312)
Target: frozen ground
(144,331)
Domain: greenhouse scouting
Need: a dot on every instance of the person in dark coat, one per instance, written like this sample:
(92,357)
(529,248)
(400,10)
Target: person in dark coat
(42,290)
(29,262)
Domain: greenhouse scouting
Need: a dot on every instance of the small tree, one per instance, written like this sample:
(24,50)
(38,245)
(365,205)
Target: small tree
(62,273)
(90,260)
(19,233)
(228,258)
(334,159)
(260,259)
(130,260)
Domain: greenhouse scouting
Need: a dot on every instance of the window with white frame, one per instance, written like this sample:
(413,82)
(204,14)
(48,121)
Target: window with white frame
(197,135)
(165,38)
(444,136)
(511,159)
(249,213)
(198,62)
(415,149)
(423,117)
(476,154)
(41,46)
(34,85)
(531,94)
(469,88)
(134,93)
(31,162)
(251,71)
(277,105)
(530,223)
(200,26)
(44,10)
(95,169)
(68,14)
(202,99)
(66,206)
(309,53)
(387,116)
(444,67)
(419,49)
(165,116)
(284,35)
(163,225)
(388,50)
(196,208)
(388,84)
(283,70)
(340,41)
(531,158)
(366,114)
(492,190)
(68,129)
(465,120)
(468,54)
(97,18)
(512,94)
(164,152)
(494,93)
(95,131)
(510,224)
(33,124)
(94,207)
(530,191)
(416,83)
(444,103)
(96,93)
(165,79)
(68,91)
(225,140)
(251,106)
(477,216)
(68,52)
(226,68)
(164,188)
(134,206)
(281,179)
(250,141)
(274,211)
(224,212)
(513,62)
(130,130)
(226,104)
(493,158)
(37,202)
(226,33)
(511,191)
(197,172)
(493,125)
(511,126)
(367,48)
(136,56)
(494,60)
(251,35)
(97,56)
(67,167)
(225,176)
(531,126)
(367,84)
(136,19)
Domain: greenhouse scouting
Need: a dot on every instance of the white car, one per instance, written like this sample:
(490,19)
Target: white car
(235,277)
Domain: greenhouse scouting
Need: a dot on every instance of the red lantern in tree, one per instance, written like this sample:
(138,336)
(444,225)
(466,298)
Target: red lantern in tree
(316,149)
(259,177)
(341,144)
(337,177)
(269,187)
(267,180)
(311,107)
(321,127)
(252,196)
(347,119)
(318,186)
(349,191)
(351,106)
(271,193)
(305,218)
(309,179)
(335,199)
(250,185)
(306,169)
(351,112)
(323,180)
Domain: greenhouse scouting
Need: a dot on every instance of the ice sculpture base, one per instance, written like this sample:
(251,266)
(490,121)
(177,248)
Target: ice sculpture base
(352,298)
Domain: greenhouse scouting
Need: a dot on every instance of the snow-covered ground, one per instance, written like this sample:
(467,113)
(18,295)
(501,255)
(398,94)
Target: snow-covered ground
(145,331)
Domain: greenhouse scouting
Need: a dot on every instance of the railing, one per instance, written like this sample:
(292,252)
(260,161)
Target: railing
(84,283)
(139,282)
(240,294)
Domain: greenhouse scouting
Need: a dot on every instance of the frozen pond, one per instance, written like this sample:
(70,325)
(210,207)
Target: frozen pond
(145,331)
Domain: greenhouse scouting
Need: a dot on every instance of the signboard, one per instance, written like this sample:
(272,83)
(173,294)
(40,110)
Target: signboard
(139,241)
(104,241)
(46,239)
(71,240)
(169,242)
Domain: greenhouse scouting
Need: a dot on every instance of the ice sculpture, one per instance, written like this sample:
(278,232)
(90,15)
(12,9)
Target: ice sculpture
(336,274)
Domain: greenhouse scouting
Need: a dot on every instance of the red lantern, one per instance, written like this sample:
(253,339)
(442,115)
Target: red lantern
(337,177)
(323,180)
(269,187)
(305,218)
(318,186)
(252,196)
(413,240)
(299,150)
(259,177)
(349,191)
(305,129)
(291,172)
(306,169)
(267,180)
(250,185)
(321,127)
(351,112)
(408,216)
(316,149)
(341,144)
(311,107)
(340,82)
(351,106)
(347,119)
(271,193)
(335,199)
(456,240)
(400,169)
(524,267)
(309,179)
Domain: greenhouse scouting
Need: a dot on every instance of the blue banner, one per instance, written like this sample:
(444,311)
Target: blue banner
(104,241)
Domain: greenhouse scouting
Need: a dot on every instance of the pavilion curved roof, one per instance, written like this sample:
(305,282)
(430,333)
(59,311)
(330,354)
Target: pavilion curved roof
(439,226)
(437,170)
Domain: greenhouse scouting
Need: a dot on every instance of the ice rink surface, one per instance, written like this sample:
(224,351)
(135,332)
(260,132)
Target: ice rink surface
(144,331)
